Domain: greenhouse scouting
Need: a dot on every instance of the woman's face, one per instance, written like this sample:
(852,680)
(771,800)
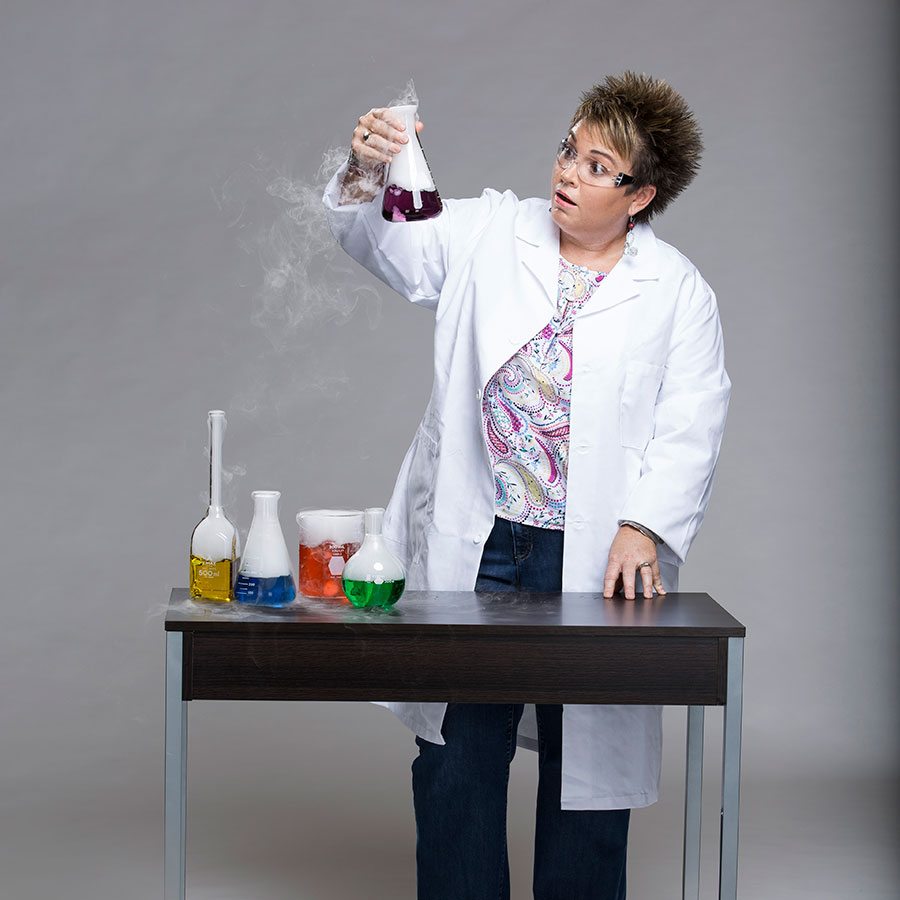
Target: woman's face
(588,212)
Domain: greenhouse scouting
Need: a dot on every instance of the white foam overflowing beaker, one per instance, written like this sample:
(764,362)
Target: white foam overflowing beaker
(328,538)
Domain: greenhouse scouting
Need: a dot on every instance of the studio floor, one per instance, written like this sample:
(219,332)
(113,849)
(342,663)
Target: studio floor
(334,822)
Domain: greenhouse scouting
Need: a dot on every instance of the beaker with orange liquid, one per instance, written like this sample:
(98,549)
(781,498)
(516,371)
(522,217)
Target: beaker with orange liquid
(328,538)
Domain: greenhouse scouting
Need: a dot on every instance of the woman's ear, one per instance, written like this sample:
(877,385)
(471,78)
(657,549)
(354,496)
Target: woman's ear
(640,198)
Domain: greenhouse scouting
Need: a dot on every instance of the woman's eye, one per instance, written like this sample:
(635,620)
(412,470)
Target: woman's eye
(569,152)
(597,169)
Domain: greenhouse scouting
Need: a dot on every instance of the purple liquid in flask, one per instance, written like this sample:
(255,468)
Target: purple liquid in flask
(400,205)
(410,195)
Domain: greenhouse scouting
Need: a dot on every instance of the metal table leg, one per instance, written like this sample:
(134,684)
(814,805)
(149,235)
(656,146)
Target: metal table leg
(731,772)
(176,769)
(693,794)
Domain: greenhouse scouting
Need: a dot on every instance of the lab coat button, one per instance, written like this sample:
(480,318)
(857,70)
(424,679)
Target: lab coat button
(478,394)
(478,539)
(583,448)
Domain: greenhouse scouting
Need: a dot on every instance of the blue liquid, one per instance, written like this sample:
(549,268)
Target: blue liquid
(278,591)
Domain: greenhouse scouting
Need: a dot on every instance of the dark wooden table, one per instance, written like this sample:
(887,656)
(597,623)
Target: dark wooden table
(682,649)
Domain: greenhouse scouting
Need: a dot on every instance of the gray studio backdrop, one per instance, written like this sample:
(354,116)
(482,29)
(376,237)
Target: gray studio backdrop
(162,253)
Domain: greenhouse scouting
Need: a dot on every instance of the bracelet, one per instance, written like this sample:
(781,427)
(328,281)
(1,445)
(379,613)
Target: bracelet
(646,532)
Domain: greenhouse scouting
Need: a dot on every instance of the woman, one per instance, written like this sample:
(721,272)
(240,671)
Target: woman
(569,444)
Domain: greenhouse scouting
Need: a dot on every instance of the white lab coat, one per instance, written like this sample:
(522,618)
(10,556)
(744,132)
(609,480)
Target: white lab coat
(649,397)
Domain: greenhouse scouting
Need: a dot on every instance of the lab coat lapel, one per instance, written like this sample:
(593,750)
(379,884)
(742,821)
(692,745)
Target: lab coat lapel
(537,243)
(532,297)
(527,302)
(624,282)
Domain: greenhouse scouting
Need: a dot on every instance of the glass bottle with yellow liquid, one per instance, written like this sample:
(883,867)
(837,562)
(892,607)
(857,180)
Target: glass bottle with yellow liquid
(215,543)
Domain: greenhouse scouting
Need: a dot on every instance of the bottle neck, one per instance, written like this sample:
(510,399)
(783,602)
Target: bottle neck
(374,519)
(265,505)
(407,114)
(216,433)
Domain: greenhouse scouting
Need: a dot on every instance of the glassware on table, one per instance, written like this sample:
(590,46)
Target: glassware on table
(409,194)
(373,576)
(328,538)
(265,577)
(215,542)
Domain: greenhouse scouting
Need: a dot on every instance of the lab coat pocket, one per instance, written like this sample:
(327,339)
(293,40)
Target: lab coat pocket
(642,383)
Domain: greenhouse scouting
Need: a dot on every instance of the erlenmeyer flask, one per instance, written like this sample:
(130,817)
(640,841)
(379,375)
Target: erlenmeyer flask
(215,544)
(410,194)
(265,577)
(373,576)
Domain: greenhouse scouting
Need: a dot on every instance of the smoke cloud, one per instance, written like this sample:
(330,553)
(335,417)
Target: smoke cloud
(301,290)
(406,97)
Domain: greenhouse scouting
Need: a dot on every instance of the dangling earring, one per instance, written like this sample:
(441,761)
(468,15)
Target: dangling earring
(630,249)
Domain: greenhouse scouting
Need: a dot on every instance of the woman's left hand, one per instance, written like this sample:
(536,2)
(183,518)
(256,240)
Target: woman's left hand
(629,554)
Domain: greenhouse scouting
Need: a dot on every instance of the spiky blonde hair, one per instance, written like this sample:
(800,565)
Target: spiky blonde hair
(646,120)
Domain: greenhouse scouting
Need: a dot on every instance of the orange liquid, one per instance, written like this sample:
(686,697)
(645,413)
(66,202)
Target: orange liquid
(320,569)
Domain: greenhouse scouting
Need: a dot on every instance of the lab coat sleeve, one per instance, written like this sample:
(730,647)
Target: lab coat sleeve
(678,466)
(413,257)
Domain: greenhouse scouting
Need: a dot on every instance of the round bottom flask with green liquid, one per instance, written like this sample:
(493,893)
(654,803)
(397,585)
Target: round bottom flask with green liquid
(373,576)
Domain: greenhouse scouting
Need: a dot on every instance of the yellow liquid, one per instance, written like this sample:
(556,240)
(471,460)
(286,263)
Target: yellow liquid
(212,580)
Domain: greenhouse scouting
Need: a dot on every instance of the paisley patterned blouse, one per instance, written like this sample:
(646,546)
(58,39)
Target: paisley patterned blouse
(525,412)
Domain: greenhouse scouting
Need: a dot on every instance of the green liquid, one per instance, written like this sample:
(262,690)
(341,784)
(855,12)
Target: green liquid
(365,594)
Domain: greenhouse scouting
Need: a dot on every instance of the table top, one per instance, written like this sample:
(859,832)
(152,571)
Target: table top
(682,614)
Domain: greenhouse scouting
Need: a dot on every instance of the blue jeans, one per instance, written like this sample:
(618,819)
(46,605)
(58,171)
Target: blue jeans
(459,789)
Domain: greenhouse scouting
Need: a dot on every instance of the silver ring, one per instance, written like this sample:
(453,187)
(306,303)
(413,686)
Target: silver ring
(641,566)
(366,135)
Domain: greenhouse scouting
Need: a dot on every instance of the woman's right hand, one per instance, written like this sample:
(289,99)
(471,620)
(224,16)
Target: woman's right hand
(377,138)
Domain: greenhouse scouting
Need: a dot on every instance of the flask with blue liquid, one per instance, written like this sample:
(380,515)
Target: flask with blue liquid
(265,577)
